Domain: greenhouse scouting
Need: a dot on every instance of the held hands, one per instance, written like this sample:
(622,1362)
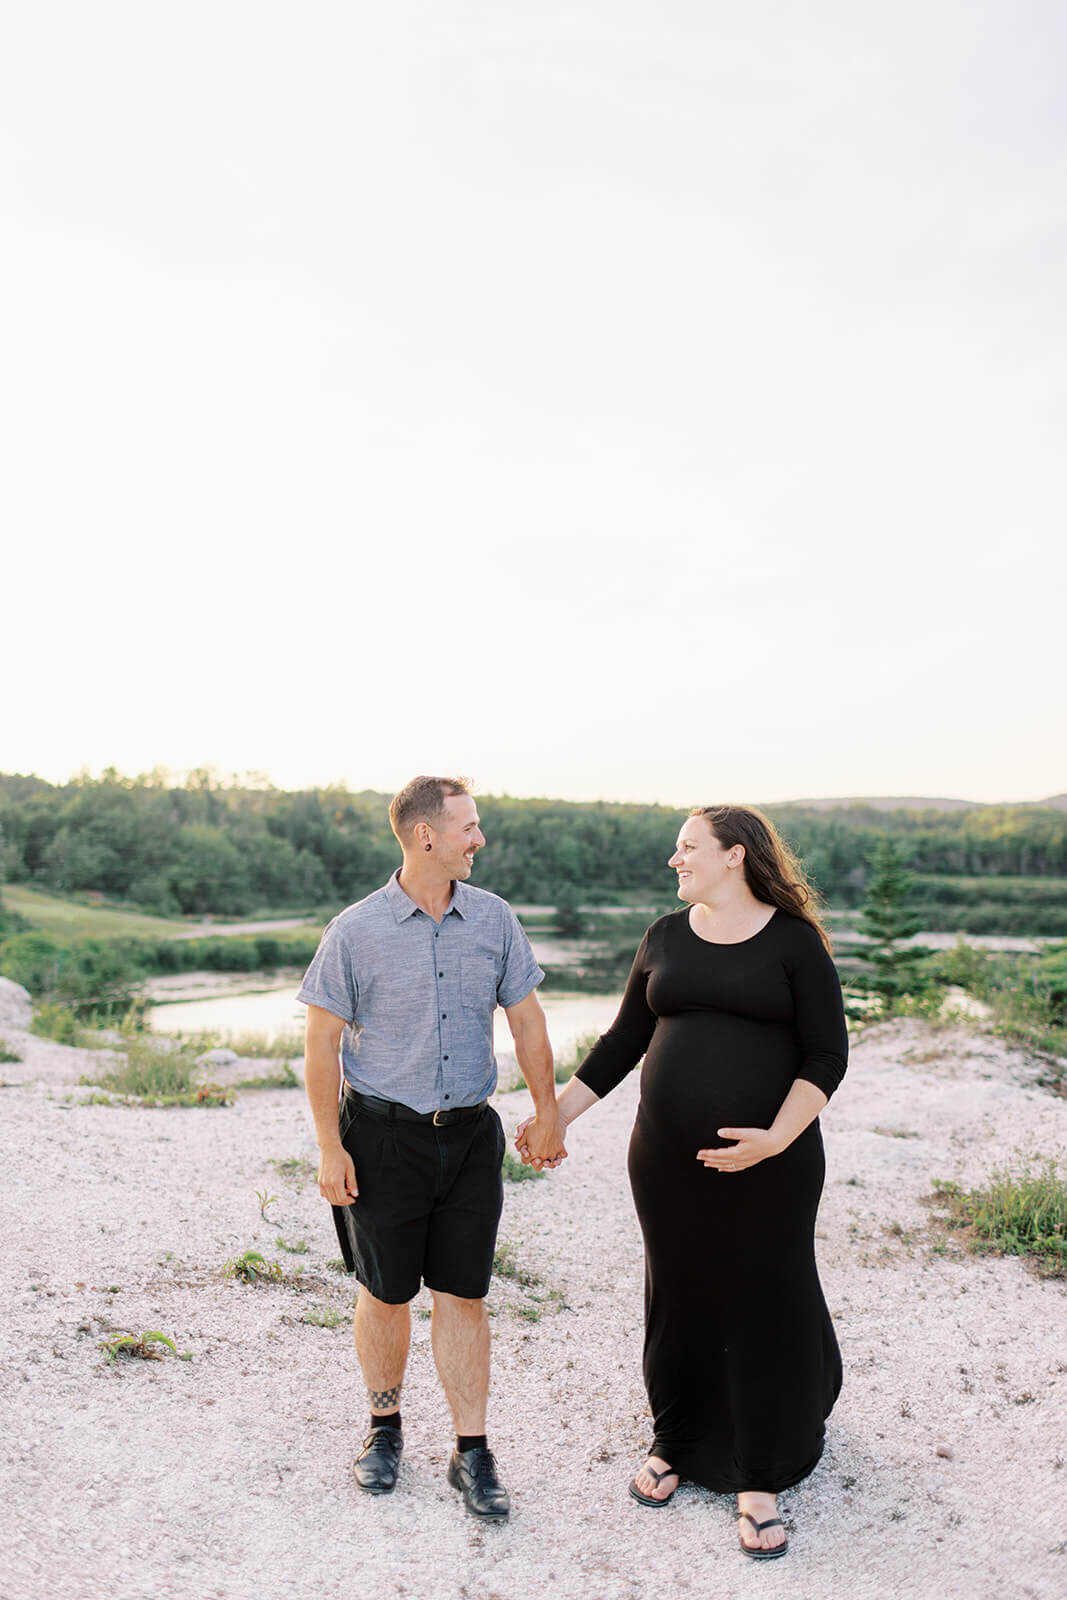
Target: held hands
(337,1176)
(753,1145)
(539,1140)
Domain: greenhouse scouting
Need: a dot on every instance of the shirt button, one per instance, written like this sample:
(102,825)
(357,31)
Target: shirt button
(448,1097)
(444,1016)
(446,1058)
(440,974)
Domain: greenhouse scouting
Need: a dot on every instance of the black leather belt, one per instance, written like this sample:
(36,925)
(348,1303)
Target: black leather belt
(396,1112)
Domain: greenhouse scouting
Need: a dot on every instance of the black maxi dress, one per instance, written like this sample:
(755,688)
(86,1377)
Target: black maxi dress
(740,1362)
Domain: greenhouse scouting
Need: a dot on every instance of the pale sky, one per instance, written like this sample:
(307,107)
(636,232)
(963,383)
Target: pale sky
(637,401)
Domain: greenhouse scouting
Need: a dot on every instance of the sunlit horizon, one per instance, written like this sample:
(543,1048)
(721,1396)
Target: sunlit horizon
(354,784)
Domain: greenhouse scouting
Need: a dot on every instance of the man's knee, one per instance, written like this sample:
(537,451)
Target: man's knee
(380,1310)
(456,1303)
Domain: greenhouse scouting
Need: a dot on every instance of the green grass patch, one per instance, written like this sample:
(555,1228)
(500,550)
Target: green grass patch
(324,1317)
(8,1054)
(506,1264)
(59,1022)
(286,1079)
(1026,995)
(267,1047)
(297,1169)
(1021,1213)
(73,919)
(154,1074)
(515,1171)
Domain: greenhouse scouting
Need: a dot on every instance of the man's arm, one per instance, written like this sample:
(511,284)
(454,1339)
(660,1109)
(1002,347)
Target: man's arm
(544,1135)
(322,1078)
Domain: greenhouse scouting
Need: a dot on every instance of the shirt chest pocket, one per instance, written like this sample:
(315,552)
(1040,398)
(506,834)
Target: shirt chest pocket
(477,982)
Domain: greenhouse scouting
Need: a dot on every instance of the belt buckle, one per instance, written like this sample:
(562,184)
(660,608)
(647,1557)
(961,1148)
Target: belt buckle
(437,1124)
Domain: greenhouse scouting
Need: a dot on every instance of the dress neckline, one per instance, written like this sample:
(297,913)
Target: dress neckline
(728,944)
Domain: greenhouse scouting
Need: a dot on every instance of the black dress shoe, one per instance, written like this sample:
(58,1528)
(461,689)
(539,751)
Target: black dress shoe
(375,1466)
(473,1473)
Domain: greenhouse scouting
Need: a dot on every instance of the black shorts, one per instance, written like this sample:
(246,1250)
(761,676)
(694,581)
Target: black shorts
(428,1206)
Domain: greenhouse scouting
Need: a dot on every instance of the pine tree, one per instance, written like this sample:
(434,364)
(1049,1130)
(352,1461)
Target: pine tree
(894,968)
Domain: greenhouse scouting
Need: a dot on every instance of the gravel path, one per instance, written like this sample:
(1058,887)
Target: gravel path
(227,1475)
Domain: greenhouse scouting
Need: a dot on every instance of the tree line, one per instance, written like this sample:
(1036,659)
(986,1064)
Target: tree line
(228,849)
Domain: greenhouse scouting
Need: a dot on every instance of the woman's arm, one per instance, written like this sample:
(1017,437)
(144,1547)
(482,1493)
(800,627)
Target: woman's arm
(799,1108)
(618,1051)
(615,1053)
(818,1011)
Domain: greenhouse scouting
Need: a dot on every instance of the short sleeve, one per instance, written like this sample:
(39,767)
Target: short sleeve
(330,981)
(520,973)
(818,1010)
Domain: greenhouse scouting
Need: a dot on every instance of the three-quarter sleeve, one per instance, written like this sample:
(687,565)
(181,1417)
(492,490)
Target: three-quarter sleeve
(819,1011)
(619,1050)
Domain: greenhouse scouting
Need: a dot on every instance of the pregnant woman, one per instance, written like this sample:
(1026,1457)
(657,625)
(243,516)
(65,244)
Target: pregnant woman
(735,1004)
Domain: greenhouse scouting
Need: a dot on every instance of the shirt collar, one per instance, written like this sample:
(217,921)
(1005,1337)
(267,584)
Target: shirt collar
(403,906)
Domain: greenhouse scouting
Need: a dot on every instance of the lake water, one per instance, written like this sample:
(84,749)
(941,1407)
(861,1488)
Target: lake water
(229,1005)
(276,1011)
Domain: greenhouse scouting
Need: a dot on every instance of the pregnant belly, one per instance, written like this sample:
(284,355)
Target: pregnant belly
(707,1069)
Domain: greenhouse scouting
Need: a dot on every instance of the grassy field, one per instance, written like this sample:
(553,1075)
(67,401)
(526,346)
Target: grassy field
(67,919)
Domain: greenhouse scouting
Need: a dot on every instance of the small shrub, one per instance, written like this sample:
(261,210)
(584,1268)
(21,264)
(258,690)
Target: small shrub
(7,1054)
(146,1347)
(299,1247)
(927,1004)
(157,1072)
(58,1022)
(1023,1213)
(253,1267)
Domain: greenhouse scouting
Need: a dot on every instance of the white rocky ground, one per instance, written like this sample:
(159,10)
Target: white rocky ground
(228,1475)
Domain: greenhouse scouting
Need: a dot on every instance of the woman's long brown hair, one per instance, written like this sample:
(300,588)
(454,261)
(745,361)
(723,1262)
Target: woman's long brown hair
(772,871)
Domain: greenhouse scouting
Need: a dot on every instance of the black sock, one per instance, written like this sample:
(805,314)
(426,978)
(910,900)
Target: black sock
(390,1420)
(470,1441)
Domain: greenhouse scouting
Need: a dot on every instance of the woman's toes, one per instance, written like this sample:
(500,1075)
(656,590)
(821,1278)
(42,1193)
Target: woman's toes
(656,1488)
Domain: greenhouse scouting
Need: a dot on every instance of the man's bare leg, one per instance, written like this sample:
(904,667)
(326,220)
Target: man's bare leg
(461,1350)
(460,1335)
(383,1335)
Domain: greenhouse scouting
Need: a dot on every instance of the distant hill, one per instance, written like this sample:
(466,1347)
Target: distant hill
(1056,802)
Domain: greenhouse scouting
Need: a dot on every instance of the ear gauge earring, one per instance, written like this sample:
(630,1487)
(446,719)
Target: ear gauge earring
(429,847)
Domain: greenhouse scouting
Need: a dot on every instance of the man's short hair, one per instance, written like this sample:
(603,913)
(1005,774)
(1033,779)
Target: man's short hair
(423,800)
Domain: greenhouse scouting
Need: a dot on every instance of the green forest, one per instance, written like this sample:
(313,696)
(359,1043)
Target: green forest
(205,847)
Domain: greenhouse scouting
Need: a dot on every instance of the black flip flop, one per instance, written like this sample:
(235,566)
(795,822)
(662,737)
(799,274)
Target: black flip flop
(754,1551)
(650,1500)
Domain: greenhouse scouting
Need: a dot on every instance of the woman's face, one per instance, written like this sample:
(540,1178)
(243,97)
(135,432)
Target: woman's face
(701,862)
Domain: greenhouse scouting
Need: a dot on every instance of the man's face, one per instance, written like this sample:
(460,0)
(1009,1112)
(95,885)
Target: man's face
(457,836)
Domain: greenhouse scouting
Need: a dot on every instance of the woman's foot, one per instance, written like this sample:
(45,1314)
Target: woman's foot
(753,1508)
(655,1481)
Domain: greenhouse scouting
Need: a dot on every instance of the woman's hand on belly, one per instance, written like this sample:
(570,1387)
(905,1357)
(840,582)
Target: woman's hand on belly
(753,1145)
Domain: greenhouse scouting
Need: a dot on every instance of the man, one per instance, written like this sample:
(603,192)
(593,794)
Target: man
(405,984)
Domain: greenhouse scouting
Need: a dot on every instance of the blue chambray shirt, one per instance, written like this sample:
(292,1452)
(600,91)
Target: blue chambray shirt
(418,997)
